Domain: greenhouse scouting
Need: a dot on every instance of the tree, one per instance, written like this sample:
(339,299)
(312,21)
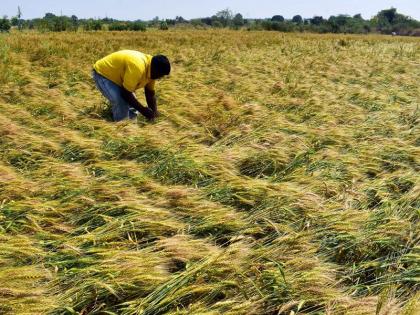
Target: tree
(338,23)
(388,21)
(92,25)
(200,23)
(4,24)
(118,26)
(19,17)
(17,20)
(163,26)
(74,22)
(57,23)
(297,19)
(238,21)
(317,20)
(180,19)
(207,21)
(277,18)
(388,15)
(155,22)
(14,21)
(217,24)
(49,16)
(224,17)
(138,26)
(171,22)
(39,24)
(96,25)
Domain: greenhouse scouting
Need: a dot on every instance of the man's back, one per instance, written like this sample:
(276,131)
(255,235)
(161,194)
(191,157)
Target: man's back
(127,68)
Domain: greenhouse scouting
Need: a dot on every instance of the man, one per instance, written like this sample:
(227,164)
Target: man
(119,74)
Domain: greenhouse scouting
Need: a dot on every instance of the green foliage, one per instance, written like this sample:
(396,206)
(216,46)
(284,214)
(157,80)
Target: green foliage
(14,21)
(163,26)
(277,18)
(138,26)
(238,21)
(4,24)
(386,21)
(57,23)
(387,16)
(224,17)
(335,24)
(127,26)
(92,25)
(297,19)
(389,21)
(277,26)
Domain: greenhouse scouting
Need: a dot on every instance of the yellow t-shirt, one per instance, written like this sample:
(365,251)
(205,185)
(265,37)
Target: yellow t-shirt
(127,68)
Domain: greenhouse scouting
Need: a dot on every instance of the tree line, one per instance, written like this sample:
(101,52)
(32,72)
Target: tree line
(387,21)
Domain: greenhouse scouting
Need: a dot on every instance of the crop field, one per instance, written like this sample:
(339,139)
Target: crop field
(282,177)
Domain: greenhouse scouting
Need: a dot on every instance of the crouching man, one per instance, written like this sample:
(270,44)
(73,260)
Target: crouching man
(121,73)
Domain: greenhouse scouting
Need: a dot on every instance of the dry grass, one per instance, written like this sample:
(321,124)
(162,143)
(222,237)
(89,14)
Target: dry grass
(281,178)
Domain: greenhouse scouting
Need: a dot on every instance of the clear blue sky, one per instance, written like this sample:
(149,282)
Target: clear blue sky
(146,10)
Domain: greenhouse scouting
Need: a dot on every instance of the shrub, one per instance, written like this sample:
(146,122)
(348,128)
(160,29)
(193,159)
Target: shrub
(4,24)
(163,26)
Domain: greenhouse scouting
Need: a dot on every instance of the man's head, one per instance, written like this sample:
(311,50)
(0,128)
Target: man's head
(160,67)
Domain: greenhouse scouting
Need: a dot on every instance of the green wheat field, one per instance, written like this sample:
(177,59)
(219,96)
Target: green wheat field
(282,177)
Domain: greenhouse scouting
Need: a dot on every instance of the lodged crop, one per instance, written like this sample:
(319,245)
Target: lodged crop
(281,177)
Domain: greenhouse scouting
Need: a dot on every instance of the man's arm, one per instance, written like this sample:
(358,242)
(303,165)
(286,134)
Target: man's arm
(133,102)
(151,101)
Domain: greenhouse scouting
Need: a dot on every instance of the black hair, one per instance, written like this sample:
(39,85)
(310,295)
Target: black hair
(160,66)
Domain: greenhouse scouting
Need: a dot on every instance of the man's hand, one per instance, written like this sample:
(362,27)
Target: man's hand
(151,101)
(130,98)
(149,114)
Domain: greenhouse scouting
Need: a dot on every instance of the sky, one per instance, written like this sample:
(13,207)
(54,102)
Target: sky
(147,10)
